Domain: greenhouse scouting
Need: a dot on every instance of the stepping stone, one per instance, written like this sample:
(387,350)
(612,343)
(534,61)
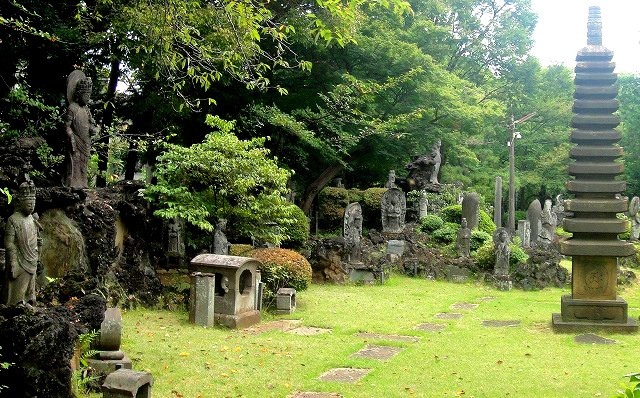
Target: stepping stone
(345,375)
(487,298)
(301,394)
(500,324)
(390,337)
(591,338)
(464,306)
(307,331)
(431,327)
(379,352)
(282,325)
(448,315)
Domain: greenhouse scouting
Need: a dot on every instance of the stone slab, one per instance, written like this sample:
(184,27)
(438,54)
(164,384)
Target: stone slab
(307,331)
(389,337)
(464,306)
(486,298)
(308,394)
(448,315)
(108,366)
(240,321)
(378,352)
(430,327)
(560,326)
(281,325)
(344,375)
(501,323)
(590,338)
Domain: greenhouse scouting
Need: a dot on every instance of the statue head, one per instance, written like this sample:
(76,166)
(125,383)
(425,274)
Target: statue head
(83,90)
(463,223)
(26,198)
(392,176)
(222,224)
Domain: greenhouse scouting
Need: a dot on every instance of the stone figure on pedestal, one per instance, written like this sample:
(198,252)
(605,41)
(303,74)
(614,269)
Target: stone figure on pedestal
(548,221)
(424,169)
(394,209)
(79,127)
(22,243)
(503,252)
(463,243)
(220,242)
(353,232)
(634,215)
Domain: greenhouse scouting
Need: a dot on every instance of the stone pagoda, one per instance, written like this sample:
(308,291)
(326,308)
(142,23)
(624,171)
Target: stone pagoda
(595,246)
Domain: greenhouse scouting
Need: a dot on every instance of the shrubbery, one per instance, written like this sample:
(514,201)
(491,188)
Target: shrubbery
(453,213)
(297,232)
(282,268)
(486,256)
(478,238)
(430,223)
(447,233)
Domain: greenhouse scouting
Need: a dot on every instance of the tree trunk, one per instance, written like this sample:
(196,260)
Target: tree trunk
(316,186)
(107,121)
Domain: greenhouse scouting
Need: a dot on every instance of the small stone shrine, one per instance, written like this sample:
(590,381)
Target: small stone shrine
(394,210)
(235,288)
(534,213)
(286,300)
(471,209)
(127,383)
(594,246)
(353,232)
(501,241)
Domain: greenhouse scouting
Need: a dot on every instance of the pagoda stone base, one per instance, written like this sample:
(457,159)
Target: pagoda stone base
(581,314)
(239,321)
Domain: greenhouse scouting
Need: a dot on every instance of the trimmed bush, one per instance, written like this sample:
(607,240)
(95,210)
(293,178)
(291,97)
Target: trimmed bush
(485,223)
(430,223)
(281,268)
(239,249)
(447,233)
(478,238)
(297,233)
(486,256)
(452,213)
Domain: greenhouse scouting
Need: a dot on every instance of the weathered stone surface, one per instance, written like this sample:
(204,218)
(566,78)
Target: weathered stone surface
(590,338)
(534,212)
(345,375)
(394,209)
(308,331)
(471,209)
(389,337)
(431,327)
(448,315)
(377,352)
(464,306)
(282,325)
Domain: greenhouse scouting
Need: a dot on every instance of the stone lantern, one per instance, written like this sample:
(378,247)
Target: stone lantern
(594,246)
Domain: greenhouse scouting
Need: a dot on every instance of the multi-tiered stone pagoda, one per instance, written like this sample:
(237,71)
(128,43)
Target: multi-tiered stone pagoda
(594,246)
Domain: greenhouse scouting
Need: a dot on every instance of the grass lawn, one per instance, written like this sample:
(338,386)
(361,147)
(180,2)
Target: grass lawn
(465,359)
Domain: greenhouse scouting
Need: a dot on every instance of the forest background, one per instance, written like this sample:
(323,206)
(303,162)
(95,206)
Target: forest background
(320,89)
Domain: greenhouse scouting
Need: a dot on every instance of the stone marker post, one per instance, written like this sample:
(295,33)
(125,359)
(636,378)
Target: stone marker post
(595,246)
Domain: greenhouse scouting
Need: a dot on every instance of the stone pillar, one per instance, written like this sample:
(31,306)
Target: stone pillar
(594,246)
(470,209)
(534,213)
(202,298)
(497,203)
(524,232)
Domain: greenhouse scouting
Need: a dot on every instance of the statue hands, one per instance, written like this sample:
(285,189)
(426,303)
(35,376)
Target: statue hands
(72,142)
(13,272)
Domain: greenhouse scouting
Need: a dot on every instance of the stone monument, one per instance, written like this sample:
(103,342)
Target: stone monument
(79,127)
(534,213)
(353,232)
(220,242)
(471,209)
(524,233)
(634,214)
(594,246)
(22,247)
(394,209)
(548,222)
(424,169)
(423,206)
(463,242)
(175,241)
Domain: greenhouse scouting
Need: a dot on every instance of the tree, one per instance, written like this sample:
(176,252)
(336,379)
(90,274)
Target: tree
(223,177)
(629,97)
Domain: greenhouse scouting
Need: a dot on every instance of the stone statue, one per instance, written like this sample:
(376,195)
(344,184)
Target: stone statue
(558,209)
(424,169)
(394,209)
(634,215)
(548,221)
(22,243)
(423,207)
(534,213)
(471,209)
(391,180)
(524,232)
(220,242)
(175,244)
(503,252)
(463,243)
(353,232)
(79,127)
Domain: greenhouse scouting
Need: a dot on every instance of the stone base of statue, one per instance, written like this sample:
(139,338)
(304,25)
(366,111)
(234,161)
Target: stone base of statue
(361,273)
(106,366)
(581,314)
(503,283)
(239,321)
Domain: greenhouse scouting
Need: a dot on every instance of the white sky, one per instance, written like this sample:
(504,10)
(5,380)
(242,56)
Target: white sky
(562,30)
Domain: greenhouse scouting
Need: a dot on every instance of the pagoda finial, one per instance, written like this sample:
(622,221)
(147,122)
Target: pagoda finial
(594,27)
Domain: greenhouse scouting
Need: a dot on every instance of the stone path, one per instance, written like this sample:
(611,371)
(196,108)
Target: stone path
(344,375)
(464,306)
(283,325)
(378,352)
(307,331)
(448,315)
(315,395)
(590,338)
(500,323)
(388,337)
(430,327)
